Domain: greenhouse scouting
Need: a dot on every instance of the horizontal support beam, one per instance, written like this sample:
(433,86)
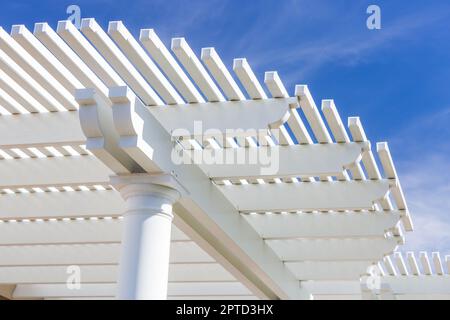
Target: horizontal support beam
(61,204)
(306,196)
(109,290)
(212,118)
(53,171)
(276,161)
(328,270)
(333,249)
(41,129)
(90,254)
(67,232)
(323,225)
(180,272)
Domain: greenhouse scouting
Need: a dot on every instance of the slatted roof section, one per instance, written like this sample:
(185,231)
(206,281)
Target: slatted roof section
(326,220)
(403,276)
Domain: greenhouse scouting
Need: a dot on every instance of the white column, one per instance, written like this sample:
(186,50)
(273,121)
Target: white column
(144,263)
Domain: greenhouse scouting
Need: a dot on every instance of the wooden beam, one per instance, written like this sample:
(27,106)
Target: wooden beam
(109,290)
(41,129)
(323,225)
(336,195)
(61,204)
(267,162)
(53,171)
(67,232)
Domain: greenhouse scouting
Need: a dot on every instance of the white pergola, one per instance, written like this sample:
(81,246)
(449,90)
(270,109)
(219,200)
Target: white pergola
(91,121)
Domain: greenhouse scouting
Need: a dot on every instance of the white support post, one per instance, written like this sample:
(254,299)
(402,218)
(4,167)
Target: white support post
(144,263)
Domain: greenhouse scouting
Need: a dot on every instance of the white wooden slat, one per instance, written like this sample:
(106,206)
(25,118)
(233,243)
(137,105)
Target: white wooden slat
(425,262)
(447,262)
(69,58)
(78,43)
(39,52)
(239,118)
(196,70)
(90,254)
(414,285)
(136,54)
(55,171)
(221,74)
(323,225)
(248,79)
(437,263)
(312,114)
(91,231)
(9,103)
(359,135)
(59,97)
(328,270)
(12,88)
(41,129)
(112,54)
(397,192)
(275,161)
(298,128)
(400,262)
(323,196)
(275,85)
(413,264)
(334,121)
(109,290)
(61,204)
(170,67)
(45,101)
(389,266)
(362,249)
(179,272)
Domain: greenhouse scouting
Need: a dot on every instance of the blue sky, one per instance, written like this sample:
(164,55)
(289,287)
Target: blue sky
(396,79)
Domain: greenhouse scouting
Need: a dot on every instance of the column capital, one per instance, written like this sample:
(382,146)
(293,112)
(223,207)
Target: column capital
(154,192)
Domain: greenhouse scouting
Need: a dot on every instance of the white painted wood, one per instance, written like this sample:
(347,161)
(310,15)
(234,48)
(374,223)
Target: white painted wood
(323,225)
(437,263)
(219,71)
(31,86)
(41,129)
(56,171)
(69,58)
(397,191)
(169,66)
(194,67)
(277,161)
(425,262)
(90,254)
(413,266)
(362,249)
(98,37)
(140,59)
(311,112)
(92,231)
(73,37)
(275,85)
(45,58)
(180,272)
(350,195)
(400,262)
(108,290)
(248,79)
(328,270)
(59,97)
(60,204)
(248,116)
